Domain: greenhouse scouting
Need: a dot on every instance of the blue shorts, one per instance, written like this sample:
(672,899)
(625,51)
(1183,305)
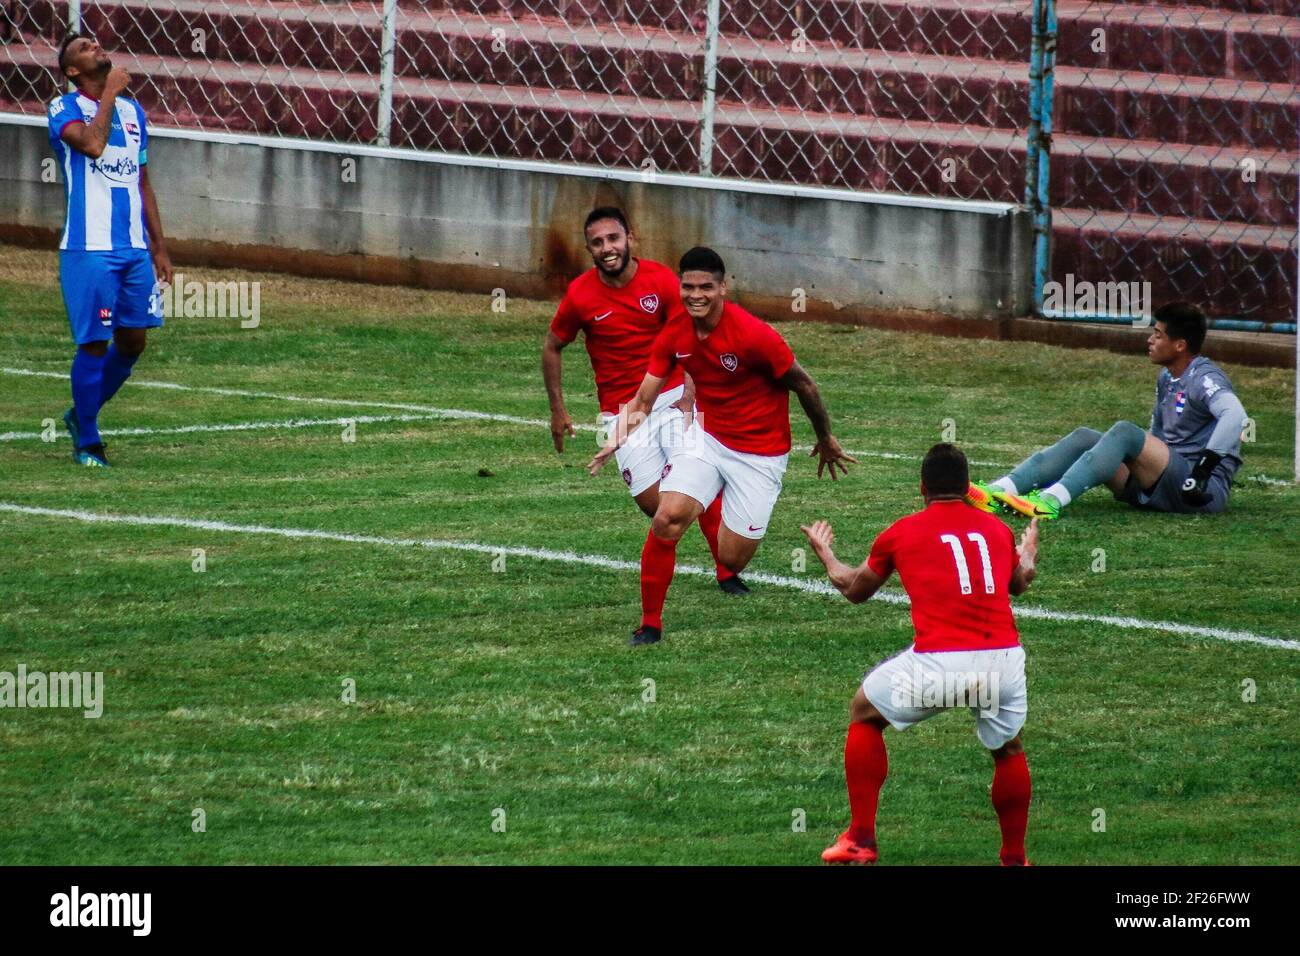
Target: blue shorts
(103,291)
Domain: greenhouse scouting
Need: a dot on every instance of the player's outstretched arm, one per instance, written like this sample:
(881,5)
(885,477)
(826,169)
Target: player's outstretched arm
(162,260)
(552,375)
(93,139)
(1027,569)
(828,452)
(630,416)
(857,584)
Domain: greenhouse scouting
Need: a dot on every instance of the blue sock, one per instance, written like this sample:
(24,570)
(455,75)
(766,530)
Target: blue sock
(1046,467)
(1124,440)
(117,369)
(87,379)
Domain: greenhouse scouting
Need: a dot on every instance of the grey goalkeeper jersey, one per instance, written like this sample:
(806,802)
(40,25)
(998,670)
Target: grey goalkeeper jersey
(1189,407)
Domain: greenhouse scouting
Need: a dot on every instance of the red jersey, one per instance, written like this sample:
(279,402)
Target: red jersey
(735,368)
(955,563)
(619,327)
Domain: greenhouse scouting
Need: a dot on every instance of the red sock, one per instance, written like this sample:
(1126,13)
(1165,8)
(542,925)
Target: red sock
(1011,791)
(865,767)
(658,561)
(710,521)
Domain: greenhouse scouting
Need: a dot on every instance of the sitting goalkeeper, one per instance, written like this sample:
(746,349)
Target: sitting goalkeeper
(1186,461)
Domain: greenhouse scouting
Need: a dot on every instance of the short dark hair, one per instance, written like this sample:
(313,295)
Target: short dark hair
(1184,321)
(703,259)
(63,50)
(945,471)
(606,212)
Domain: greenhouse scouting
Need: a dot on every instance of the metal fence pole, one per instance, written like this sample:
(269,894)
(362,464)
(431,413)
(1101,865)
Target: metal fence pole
(387,54)
(1038,171)
(74,26)
(710,88)
(1035,108)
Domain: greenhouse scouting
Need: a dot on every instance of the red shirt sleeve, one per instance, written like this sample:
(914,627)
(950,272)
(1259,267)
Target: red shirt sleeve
(567,322)
(670,295)
(663,354)
(881,558)
(771,352)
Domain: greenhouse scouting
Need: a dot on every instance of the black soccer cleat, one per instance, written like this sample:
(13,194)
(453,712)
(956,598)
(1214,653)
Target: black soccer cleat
(645,634)
(734,586)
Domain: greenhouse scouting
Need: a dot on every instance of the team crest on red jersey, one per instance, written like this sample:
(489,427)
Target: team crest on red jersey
(627,476)
(650,303)
(729,361)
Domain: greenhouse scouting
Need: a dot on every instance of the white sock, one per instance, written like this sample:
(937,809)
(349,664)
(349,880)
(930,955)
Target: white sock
(1059,492)
(1005,484)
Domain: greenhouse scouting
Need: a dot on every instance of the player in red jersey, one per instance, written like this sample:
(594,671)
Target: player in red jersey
(959,565)
(620,305)
(739,440)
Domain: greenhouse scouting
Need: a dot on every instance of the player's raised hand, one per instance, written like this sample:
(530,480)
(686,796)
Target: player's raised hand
(820,536)
(1028,547)
(830,455)
(561,424)
(116,81)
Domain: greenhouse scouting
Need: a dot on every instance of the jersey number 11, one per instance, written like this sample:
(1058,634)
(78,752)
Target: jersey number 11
(959,555)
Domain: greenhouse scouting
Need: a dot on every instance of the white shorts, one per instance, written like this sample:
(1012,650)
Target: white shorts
(642,458)
(913,687)
(750,483)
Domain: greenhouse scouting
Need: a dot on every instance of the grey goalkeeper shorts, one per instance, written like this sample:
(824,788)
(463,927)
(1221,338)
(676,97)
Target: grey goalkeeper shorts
(1167,493)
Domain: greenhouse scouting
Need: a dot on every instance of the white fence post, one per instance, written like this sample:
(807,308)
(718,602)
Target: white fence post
(387,54)
(74,26)
(710,89)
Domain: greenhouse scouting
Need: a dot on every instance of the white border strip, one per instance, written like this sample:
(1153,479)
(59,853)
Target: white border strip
(811,586)
(560,169)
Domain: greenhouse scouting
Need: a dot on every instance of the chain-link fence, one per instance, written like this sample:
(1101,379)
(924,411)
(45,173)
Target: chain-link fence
(1173,157)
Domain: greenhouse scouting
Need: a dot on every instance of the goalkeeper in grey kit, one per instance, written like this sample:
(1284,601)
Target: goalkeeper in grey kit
(1184,463)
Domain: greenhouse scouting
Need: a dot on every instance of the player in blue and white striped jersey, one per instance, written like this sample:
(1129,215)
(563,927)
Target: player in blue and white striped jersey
(113,244)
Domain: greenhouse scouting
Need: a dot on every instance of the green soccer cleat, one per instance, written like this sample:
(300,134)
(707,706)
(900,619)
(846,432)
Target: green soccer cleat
(1036,504)
(70,423)
(981,497)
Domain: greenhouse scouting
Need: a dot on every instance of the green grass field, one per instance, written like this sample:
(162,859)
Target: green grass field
(478,689)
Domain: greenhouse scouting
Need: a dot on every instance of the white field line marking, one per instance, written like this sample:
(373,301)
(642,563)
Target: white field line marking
(243,393)
(811,586)
(287,423)
(460,413)
(433,412)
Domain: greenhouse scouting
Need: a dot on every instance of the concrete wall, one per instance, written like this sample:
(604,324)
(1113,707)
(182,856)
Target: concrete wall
(476,224)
